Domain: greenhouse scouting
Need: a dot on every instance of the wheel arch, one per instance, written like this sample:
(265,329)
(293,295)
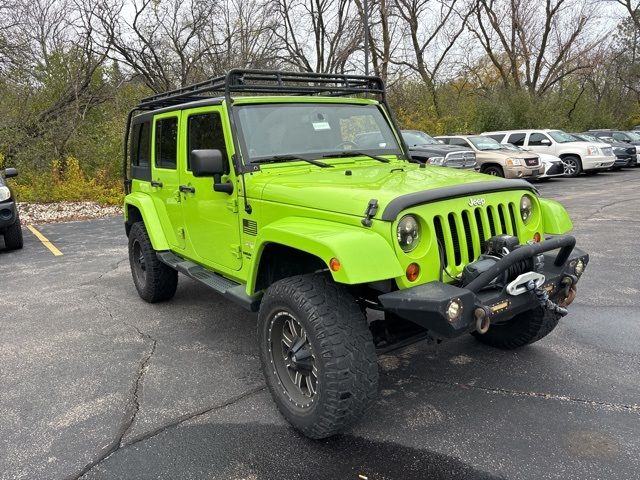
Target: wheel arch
(140,207)
(363,254)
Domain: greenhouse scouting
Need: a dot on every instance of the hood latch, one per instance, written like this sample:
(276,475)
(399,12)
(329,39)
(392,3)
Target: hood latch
(370,212)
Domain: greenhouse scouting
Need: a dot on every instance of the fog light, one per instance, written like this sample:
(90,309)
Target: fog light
(579,267)
(413,270)
(454,310)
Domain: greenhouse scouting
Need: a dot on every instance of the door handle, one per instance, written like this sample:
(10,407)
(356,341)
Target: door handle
(187,189)
(156,183)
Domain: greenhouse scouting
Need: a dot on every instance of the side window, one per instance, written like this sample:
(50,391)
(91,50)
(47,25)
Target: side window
(444,140)
(517,139)
(140,144)
(204,132)
(461,142)
(535,139)
(166,142)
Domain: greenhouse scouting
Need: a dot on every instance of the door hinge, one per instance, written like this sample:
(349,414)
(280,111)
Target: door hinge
(181,232)
(236,251)
(232,204)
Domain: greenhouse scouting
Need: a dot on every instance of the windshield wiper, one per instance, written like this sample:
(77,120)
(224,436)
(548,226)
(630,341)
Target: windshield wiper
(291,158)
(350,153)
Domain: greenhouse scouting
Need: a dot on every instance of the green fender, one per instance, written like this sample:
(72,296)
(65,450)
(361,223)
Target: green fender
(363,254)
(144,203)
(555,218)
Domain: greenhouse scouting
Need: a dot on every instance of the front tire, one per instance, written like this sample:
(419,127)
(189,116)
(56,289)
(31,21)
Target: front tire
(572,166)
(317,354)
(494,171)
(523,329)
(155,281)
(13,239)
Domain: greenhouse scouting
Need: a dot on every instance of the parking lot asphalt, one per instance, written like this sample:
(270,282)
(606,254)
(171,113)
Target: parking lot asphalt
(95,383)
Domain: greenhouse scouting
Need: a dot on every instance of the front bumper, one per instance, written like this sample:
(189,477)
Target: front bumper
(623,161)
(8,214)
(523,172)
(555,170)
(600,162)
(427,304)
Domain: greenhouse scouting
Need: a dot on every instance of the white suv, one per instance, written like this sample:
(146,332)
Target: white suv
(577,155)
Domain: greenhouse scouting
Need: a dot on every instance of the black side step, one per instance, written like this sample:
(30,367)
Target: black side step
(230,289)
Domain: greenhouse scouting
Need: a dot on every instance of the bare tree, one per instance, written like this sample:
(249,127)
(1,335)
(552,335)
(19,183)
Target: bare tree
(318,35)
(534,45)
(633,8)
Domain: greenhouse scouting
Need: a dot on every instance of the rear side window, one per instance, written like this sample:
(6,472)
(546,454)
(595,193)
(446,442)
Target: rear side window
(458,141)
(140,145)
(205,133)
(517,139)
(535,139)
(166,142)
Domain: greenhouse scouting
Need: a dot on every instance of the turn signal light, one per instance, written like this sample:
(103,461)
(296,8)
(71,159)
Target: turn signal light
(413,270)
(536,237)
(334,264)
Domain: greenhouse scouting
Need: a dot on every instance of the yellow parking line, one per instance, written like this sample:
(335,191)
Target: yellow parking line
(45,241)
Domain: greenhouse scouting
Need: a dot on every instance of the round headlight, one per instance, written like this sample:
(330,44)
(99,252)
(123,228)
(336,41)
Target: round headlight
(408,233)
(5,193)
(526,208)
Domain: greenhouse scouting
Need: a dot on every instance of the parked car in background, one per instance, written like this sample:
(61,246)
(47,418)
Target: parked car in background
(611,136)
(578,156)
(495,159)
(553,166)
(9,219)
(626,155)
(427,149)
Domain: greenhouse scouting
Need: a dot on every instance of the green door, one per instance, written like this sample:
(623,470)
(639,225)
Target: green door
(165,177)
(211,218)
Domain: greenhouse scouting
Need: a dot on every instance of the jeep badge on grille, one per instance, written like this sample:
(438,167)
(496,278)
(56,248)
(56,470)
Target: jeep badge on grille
(476,202)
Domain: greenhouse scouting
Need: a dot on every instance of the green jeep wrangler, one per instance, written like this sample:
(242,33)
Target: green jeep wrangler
(303,204)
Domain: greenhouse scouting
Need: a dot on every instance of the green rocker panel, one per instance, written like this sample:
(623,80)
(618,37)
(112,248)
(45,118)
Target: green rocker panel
(363,254)
(144,203)
(555,218)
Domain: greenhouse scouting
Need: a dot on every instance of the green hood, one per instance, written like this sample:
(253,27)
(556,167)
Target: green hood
(332,189)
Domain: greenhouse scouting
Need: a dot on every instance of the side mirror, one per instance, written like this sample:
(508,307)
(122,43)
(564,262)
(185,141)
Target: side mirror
(10,172)
(206,163)
(210,163)
(545,141)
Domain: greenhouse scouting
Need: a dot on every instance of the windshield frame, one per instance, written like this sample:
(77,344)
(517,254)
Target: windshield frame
(248,162)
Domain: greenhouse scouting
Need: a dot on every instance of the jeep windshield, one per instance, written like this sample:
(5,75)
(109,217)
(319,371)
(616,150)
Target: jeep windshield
(562,137)
(313,130)
(485,143)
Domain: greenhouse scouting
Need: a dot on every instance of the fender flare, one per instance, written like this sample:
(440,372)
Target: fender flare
(555,218)
(144,204)
(364,255)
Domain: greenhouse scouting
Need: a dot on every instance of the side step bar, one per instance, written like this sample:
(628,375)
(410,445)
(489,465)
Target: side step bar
(230,289)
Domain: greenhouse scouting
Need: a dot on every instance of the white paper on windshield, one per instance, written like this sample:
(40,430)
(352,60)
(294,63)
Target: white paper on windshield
(321,126)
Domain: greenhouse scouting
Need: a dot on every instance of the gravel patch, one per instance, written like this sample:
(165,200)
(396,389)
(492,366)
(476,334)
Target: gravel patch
(31,213)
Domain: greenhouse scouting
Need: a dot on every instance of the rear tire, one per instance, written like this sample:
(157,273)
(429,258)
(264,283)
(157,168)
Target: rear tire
(572,166)
(13,236)
(317,354)
(523,329)
(494,170)
(155,281)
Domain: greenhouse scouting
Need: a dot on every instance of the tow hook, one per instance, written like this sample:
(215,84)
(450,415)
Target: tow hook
(569,292)
(482,320)
(545,301)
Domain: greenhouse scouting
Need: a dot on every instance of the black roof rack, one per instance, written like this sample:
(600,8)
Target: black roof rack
(268,82)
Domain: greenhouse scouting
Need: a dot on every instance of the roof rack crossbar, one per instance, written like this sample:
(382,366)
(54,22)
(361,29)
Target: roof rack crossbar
(262,81)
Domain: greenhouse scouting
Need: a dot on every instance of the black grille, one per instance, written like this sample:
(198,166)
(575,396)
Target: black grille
(531,162)
(475,226)
(249,227)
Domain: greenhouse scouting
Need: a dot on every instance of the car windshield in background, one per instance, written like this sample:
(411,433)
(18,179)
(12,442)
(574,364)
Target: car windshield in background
(485,143)
(634,136)
(562,137)
(510,146)
(413,138)
(313,130)
(591,138)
